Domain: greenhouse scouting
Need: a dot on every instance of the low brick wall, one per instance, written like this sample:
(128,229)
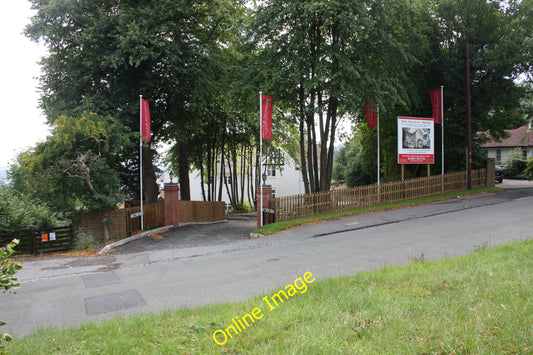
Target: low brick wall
(201,211)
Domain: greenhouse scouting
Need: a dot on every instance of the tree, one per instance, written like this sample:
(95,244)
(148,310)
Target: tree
(499,34)
(74,166)
(104,53)
(323,57)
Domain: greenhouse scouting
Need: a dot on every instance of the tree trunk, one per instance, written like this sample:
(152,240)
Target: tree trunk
(150,187)
(303,163)
(183,167)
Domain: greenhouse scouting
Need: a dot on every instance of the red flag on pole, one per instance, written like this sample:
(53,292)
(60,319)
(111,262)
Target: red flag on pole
(146,123)
(371,112)
(436,103)
(266,117)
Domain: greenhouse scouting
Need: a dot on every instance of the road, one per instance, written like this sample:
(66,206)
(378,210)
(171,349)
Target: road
(68,292)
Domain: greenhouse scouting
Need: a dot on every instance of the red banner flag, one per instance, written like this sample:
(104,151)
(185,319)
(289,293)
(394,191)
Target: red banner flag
(266,117)
(436,103)
(146,123)
(371,112)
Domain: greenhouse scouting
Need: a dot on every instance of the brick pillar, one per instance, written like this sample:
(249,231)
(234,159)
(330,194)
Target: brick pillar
(491,163)
(267,196)
(172,197)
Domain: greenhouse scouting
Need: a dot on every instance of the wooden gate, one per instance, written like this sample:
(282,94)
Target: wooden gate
(39,241)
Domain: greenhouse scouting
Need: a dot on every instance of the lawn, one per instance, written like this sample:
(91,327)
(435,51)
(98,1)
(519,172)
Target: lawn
(481,303)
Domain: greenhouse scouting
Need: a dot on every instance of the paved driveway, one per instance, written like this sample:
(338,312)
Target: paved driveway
(233,230)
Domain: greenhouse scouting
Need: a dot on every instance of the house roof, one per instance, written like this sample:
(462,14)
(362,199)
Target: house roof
(520,137)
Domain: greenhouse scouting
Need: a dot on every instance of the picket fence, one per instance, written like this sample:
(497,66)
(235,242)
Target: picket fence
(292,207)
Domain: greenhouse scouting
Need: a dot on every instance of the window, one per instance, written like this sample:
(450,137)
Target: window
(271,170)
(524,153)
(498,155)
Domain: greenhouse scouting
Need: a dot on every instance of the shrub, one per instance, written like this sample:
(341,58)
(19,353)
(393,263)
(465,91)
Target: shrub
(83,240)
(515,165)
(529,169)
(19,211)
(8,268)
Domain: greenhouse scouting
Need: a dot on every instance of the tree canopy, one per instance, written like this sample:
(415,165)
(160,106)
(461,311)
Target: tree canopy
(74,167)
(201,65)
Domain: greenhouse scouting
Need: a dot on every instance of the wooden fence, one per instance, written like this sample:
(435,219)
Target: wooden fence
(154,216)
(292,207)
(201,211)
(39,241)
(124,225)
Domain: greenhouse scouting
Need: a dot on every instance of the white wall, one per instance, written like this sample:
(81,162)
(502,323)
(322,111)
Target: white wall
(287,181)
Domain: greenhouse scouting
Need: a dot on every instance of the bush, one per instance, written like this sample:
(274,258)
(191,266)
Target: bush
(19,211)
(83,240)
(240,208)
(529,169)
(514,169)
(515,165)
(8,268)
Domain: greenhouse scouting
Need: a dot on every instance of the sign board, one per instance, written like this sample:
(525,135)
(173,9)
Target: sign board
(416,140)
(269,210)
(138,214)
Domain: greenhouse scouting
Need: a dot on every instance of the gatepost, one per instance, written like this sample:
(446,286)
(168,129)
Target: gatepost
(491,173)
(172,197)
(267,196)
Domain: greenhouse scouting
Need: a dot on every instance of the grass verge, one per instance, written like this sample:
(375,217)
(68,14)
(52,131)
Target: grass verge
(481,303)
(274,228)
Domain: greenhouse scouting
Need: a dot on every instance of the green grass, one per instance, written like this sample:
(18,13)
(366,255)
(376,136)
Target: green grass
(274,228)
(481,303)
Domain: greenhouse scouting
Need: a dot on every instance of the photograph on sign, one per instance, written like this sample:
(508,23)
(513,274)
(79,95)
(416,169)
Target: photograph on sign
(415,140)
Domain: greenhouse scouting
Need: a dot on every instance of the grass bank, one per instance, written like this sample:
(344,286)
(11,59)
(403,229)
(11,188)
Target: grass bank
(481,303)
(274,228)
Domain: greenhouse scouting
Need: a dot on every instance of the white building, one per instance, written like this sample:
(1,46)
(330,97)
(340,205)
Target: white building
(286,180)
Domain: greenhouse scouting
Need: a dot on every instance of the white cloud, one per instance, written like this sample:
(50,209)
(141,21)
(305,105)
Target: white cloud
(22,122)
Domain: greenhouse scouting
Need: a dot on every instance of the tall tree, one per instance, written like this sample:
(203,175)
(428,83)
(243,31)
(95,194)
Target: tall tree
(499,33)
(74,167)
(104,53)
(321,58)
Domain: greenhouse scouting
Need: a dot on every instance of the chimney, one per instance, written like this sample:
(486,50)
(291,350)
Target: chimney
(530,124)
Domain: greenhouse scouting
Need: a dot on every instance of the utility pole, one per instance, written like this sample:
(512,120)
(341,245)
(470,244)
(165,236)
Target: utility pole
(469,122)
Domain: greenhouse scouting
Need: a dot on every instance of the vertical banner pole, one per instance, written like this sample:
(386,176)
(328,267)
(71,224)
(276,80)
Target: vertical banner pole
(379,197)
(442,131)
(141,156)
(261,152)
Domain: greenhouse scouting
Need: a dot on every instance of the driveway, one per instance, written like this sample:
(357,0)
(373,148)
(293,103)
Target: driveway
(232,230)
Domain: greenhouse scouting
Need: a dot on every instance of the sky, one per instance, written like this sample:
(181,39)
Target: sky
(22,122)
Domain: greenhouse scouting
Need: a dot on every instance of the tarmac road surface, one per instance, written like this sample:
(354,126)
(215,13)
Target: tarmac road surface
(69,291)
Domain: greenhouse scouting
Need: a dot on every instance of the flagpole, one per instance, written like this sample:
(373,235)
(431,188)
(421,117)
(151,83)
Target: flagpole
(379,197)
(141,155)
(261,153)
(442,131)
